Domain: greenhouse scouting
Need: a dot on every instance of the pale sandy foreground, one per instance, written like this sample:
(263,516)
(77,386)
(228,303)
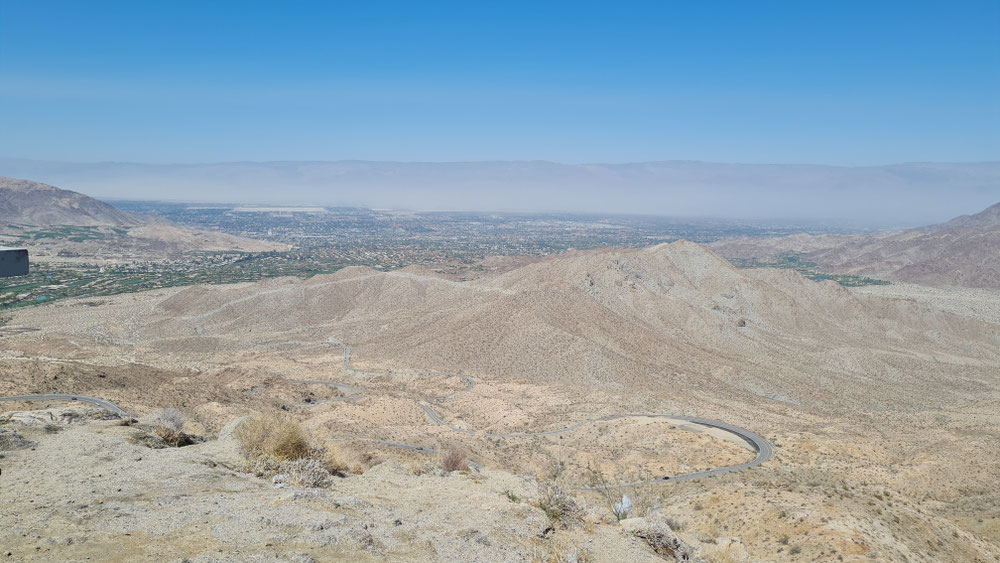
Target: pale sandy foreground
(91,489)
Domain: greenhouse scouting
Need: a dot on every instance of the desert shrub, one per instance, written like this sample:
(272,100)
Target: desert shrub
(278,448)
(169,418)
(14,441)
(511,496)
(305,472)
(167,424)
(784,539)
(334,461)
(454,460)
(663,541)
(795,550)
(625,496)
(302,472)
(556,503)
(422,467)
(264,466)
(170,436)
(274,436)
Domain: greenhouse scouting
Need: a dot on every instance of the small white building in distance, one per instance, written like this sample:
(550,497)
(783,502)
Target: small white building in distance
(13,262)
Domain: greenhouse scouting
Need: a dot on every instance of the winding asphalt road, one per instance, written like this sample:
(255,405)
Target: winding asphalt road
(106,405)
(763,448)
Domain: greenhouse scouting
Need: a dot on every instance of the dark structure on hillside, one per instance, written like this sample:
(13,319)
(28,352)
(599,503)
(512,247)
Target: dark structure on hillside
(13,262)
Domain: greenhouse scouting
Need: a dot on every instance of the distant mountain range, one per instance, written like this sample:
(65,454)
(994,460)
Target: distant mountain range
(27,206)
(962,252)
(893,196)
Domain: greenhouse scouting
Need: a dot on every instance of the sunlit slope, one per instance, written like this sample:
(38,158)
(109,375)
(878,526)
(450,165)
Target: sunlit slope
(964,252)
(667,318)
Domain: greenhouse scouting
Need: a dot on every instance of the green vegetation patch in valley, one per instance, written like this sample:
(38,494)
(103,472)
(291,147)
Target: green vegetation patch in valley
(74,234)
(807,269)
(48,282)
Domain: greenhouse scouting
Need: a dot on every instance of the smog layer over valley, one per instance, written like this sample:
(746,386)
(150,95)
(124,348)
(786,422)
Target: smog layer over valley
(468,283)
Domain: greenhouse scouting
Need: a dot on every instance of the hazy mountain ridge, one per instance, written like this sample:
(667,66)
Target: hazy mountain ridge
(26,205)
(900,194)
(963,252)
(986,219)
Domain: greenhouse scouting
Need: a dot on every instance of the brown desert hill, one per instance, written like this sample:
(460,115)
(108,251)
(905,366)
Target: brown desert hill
(985,219)
(26,206)
(674,316)
(963,252)
(33,203)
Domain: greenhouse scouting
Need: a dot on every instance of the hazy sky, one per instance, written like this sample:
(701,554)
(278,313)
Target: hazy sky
(822,82)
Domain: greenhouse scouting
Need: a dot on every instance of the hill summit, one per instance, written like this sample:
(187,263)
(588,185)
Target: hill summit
(33,203)
(985,219)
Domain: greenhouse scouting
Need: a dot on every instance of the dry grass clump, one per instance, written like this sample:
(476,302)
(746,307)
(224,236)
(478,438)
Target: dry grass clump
(278,447)
(559,549)
(556,503)
(169,436)
(561,552)
(273,436)
(167,424)
(336,463)
(169,418)
(454,460)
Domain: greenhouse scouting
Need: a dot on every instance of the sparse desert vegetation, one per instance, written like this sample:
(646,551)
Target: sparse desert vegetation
(273,436)
(454,460)
(808,369)
(557,503)
(626,496)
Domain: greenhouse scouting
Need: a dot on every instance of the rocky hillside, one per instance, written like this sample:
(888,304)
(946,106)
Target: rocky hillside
(988,218)
(48,220)
(963,252)
(33,203)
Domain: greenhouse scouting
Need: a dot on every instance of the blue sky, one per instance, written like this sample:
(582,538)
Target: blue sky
(818,82)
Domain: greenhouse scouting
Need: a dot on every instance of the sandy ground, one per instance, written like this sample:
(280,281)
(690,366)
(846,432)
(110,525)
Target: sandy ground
(90,490)
(982,304)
